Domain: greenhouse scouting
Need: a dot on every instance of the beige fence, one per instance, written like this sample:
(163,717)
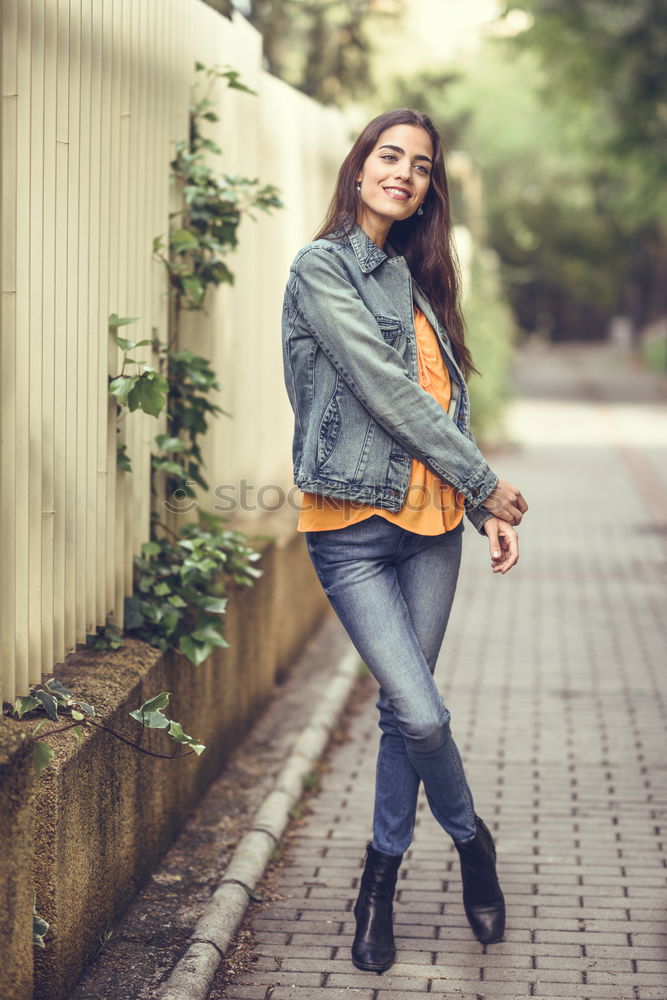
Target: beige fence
(94,97)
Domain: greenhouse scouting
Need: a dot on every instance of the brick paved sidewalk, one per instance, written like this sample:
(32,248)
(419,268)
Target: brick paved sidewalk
(555,678)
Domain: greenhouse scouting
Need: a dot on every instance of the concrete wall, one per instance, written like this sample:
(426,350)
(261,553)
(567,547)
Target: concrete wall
(103,812)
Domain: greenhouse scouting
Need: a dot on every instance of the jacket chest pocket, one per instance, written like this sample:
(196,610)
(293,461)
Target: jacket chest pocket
(391,329)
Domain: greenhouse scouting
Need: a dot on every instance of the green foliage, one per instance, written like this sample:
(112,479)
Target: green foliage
(191,381)
(490,337)
(180,596)
(39,925)
(544,198)
(108,637)
(56,701)
(611,58)
(180,579)
(204,232)
(322,47)
(150,716)
(600,209)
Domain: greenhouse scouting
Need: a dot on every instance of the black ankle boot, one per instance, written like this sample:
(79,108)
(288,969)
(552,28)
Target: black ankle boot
(373,947)
(482,896)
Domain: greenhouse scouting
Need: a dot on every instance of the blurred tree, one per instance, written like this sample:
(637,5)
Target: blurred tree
(574,181)
(604,63)
(322,47)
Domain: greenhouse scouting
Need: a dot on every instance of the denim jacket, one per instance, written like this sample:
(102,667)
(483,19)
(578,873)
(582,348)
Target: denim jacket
(350,366)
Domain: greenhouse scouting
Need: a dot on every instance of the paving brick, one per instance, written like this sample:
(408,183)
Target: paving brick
(286,993)
(290,951)
(653,965)
(390,981)
(278,978)
(453,988)
(590,991)
(246,993)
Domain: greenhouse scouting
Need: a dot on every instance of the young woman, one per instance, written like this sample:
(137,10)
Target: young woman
(375,365)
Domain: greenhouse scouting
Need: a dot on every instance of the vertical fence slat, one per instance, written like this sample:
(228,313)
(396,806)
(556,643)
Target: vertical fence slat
(94,328)
(48,359)
(83,415)
(37,375)
(8,399)
(123,479)
(74,255)
(22,356)
(60,251)
(101,321)
(148,60)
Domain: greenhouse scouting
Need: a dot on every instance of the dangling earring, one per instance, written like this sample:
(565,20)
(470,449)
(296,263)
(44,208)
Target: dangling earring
(358,185)
(420,210)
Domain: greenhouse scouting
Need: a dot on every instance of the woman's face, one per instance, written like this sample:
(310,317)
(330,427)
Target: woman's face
(394,179)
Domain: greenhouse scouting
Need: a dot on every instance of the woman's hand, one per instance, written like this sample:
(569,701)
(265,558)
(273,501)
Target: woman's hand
(506,503)
(503,544)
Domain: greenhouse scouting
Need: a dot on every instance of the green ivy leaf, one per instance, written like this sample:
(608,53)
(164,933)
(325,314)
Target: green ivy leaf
(123,459)
(166,465)
(150,549)
(156,703)
(24,704)
(179,736)
(152,720)
(208,632)
(78,716)
(85,707)
(196,652)
(216,606)
(194,288)
(121,386)
(182,240)
(166,442)
(148,393)
(115,321)
(59,690)
(49,704)
(129,345)
(177,601)
(39,925)
(42,755)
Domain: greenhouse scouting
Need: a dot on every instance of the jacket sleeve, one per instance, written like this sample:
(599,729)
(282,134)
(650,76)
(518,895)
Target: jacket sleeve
(331,310)
(477,516)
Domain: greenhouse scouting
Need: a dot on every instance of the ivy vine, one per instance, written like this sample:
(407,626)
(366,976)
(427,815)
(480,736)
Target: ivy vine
(181,577)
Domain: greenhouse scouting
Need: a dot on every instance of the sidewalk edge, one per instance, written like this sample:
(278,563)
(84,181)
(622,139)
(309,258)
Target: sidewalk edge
(192,976)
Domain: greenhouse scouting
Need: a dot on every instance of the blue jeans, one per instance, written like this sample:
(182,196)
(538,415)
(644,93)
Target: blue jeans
(393,592)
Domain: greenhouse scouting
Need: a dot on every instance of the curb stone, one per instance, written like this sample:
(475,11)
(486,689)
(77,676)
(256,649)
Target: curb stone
(192,976)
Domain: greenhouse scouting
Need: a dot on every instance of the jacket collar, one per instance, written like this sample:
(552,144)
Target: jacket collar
(368,254)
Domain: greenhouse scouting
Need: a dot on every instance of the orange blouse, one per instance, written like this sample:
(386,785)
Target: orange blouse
(431,506)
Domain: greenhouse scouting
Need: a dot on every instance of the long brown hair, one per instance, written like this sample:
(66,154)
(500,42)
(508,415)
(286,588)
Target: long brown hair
(424,240)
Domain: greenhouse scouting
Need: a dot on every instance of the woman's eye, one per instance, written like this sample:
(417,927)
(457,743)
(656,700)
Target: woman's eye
(388,156)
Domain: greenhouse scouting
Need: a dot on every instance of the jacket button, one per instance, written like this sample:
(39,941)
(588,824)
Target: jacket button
(475,492)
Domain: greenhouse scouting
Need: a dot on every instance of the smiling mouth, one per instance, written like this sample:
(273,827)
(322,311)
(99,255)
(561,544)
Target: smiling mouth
(399,194)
